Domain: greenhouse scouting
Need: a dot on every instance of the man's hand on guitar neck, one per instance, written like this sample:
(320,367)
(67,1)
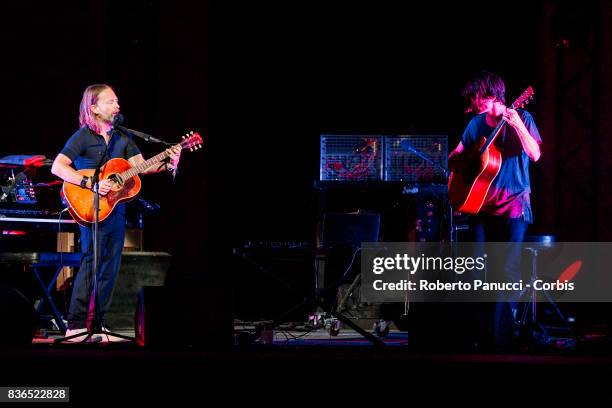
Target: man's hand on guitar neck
(175,157)
(530,145)
(512,118)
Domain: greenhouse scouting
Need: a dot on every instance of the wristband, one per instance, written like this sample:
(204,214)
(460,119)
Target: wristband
(84,182)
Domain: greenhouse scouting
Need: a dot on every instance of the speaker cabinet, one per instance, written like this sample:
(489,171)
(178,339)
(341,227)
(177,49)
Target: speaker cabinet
(17,316)
(189,315)
(138,269)
(269,283)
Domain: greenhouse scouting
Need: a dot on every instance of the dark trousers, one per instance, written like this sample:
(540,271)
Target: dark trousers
(499,316)
(111,235)
(496,229)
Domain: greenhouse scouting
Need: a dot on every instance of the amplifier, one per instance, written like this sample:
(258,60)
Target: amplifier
(397,158)
(416,158)
(351,158)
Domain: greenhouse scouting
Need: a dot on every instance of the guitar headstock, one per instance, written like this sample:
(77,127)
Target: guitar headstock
(524,99)
(192,141)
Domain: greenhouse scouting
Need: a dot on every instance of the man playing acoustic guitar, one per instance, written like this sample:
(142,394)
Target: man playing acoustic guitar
(506,210)
(95,143)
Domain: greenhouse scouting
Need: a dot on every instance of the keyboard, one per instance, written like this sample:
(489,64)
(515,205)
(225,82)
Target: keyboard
(27,212)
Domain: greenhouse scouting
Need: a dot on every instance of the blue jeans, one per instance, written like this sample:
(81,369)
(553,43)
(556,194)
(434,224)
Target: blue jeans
(499,316)
(497,229)
(111,235)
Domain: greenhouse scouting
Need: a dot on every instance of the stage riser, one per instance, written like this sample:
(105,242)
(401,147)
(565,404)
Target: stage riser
(138,269)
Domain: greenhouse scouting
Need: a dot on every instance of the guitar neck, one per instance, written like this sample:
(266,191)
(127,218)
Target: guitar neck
(496,131)
(493,135)
(144,165)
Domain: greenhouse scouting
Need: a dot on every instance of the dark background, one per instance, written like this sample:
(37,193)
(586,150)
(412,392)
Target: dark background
(155,54)
(261,82)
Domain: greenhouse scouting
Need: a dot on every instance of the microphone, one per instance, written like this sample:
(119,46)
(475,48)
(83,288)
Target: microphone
(117,120)
(16,180)
(407,146)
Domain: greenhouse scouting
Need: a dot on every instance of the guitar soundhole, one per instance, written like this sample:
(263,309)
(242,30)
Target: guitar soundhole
(118,181)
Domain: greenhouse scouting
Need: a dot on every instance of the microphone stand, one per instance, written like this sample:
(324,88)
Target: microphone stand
(408,147)
(142,135)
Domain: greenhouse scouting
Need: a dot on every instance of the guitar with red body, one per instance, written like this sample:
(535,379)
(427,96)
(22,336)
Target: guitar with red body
(473,171)
(126,184)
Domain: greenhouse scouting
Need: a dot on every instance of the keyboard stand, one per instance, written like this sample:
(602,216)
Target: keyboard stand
(37,260)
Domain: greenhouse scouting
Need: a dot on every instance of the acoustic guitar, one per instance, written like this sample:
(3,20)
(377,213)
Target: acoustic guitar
(473,171)
(126,184)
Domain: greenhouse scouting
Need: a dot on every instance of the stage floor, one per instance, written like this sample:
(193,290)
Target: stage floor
(298,364)
(248,338)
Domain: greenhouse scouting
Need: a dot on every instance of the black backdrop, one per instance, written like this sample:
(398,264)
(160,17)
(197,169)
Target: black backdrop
(292,73)
(261,81)
(155,53)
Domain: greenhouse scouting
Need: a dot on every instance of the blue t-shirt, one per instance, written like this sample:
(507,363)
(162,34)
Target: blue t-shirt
(508,196)
(85,148)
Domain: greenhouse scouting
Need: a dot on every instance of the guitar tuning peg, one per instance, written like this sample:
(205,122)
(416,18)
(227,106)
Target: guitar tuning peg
(191,133)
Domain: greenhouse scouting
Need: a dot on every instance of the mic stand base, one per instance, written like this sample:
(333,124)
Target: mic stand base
(90,333)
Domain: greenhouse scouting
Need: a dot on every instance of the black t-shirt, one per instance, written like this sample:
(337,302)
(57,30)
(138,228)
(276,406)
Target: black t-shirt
(85,148)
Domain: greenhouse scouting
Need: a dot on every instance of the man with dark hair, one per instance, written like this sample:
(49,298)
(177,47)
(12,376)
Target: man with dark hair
(506,211)
(484,85)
